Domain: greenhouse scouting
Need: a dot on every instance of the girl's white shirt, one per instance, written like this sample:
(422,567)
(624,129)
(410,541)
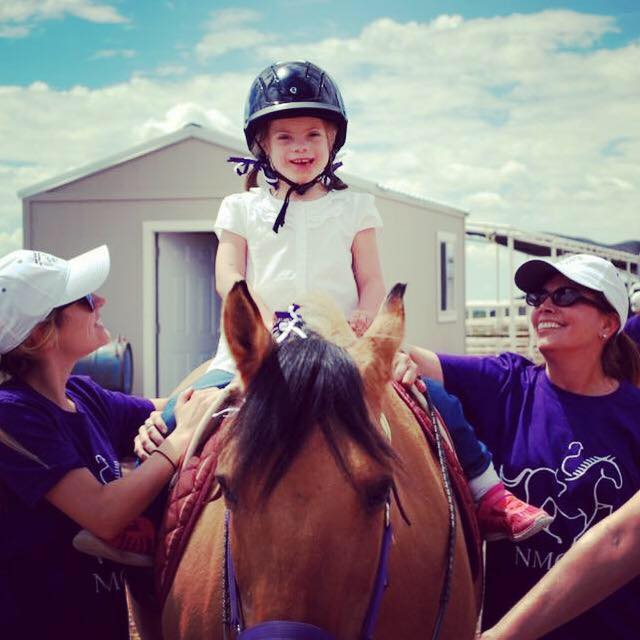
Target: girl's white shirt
(312,252)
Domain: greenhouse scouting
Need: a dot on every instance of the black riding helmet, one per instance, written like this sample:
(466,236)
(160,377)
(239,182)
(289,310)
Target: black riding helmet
(290,89)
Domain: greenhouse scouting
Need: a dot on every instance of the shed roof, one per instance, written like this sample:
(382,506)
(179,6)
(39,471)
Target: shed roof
(236,146)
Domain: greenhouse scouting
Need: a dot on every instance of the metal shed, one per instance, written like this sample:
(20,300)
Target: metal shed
(155,205)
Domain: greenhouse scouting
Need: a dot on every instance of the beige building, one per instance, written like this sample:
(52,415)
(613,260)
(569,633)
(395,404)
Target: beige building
(155,205)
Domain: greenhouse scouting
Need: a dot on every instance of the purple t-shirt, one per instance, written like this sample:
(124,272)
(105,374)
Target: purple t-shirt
(632,328)
(47,589)
(576,456)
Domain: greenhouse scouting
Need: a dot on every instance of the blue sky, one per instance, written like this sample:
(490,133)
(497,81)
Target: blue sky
(65,50)
(521,112)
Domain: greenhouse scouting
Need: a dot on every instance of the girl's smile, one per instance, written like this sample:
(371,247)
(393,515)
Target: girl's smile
(298,147)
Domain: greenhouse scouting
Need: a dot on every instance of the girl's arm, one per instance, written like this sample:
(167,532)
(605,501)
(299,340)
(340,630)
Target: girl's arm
(601,562)
(231,262)
(231,266)
(368,275)
(106,509)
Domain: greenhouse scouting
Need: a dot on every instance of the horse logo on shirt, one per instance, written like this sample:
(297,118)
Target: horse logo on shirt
(105,472)
(580,492)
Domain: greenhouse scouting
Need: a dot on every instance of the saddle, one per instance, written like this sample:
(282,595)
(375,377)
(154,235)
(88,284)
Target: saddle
(195,486)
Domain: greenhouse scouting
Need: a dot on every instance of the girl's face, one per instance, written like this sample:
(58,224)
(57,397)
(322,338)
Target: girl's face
(578,327)
(81,331)
(298,147)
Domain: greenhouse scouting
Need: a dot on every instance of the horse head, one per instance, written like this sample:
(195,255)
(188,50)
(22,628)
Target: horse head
(301,544)
(306,465)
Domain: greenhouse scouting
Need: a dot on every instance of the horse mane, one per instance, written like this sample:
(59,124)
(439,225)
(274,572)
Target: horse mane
(302,383)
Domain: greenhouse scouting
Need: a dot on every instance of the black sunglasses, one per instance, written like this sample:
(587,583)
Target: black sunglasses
(89,301)
(563,297)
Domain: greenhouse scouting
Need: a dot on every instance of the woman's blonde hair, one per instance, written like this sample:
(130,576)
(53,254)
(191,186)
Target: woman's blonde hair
(18,361)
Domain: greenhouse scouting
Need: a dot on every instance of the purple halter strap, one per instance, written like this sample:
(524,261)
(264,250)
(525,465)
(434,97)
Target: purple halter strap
(291,630)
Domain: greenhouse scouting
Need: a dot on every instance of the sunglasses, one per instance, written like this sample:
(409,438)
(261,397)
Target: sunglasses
(564,297)
(88,301)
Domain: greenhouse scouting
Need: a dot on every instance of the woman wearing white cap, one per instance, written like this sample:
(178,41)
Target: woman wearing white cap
(565,435)
(60,441)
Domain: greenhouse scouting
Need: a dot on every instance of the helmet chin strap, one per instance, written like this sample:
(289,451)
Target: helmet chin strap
(273,177)
(300,189)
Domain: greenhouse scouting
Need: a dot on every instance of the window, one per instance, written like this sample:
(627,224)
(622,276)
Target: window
(446,256)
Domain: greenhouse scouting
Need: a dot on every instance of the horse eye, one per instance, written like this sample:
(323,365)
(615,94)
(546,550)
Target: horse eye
(377,494)
(226,492)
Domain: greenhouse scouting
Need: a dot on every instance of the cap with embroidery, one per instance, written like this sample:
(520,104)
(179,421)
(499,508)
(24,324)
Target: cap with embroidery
(33,283)
(588,270)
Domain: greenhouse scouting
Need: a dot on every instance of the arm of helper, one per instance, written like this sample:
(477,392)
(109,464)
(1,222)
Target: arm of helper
(602,561)
(105,509)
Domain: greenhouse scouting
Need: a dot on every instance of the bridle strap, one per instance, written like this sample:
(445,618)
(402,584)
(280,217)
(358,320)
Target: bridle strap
(382,579)
(236,621)
(290,629)
(426,403)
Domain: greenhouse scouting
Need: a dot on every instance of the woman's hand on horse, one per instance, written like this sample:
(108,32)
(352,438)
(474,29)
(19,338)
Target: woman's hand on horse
(192,406)
(150,435)
(405,371)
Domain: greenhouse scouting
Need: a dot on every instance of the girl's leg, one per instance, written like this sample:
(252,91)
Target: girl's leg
(500,514)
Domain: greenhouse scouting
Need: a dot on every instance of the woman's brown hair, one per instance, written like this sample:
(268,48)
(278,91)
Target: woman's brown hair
(18,361)
(621,359)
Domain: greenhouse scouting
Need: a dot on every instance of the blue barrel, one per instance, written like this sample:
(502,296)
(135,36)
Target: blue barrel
(111,366)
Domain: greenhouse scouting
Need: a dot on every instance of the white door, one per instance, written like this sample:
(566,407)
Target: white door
(188,309)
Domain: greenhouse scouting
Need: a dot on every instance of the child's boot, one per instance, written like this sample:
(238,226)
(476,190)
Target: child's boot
(501,515)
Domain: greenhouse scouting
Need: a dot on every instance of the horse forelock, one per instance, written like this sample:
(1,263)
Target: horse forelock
(302,385)
(323,316)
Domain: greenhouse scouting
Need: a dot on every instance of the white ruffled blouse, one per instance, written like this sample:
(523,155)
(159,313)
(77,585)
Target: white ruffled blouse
(312,252)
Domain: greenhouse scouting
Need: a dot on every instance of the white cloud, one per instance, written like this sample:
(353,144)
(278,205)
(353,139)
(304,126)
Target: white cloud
(183,114)
(113,53)
(171,70)
(20,15)
(14,32)
(227,31)
(10,242)
(523,119)
(23,10)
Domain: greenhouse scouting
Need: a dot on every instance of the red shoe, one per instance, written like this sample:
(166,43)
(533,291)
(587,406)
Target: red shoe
(133,546)
(502,516)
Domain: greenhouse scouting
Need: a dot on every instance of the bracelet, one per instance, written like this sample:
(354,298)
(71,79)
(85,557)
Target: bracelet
(166,457)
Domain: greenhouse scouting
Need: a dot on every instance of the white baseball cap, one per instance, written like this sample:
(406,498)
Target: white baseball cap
(33,283)
(588,270)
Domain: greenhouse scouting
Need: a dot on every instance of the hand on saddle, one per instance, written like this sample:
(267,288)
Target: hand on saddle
(405,371)
(150,435)
(192,407)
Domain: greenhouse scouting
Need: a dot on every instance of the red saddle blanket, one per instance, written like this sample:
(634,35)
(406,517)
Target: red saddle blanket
(195,484)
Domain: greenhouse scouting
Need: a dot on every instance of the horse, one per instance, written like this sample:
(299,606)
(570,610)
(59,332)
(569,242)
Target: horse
(325,494)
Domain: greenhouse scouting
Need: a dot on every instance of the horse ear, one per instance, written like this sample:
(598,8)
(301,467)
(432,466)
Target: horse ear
(249,340)
(375,351)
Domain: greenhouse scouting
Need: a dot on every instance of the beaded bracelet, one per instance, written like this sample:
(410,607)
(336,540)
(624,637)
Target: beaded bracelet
(166,457)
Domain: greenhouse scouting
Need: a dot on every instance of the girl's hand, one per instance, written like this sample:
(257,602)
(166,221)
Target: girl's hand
(405,370)
(360,321)
(150,435)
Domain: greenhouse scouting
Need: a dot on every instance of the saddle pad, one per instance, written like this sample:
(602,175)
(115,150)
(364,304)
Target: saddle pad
(188,496)
(465,502)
